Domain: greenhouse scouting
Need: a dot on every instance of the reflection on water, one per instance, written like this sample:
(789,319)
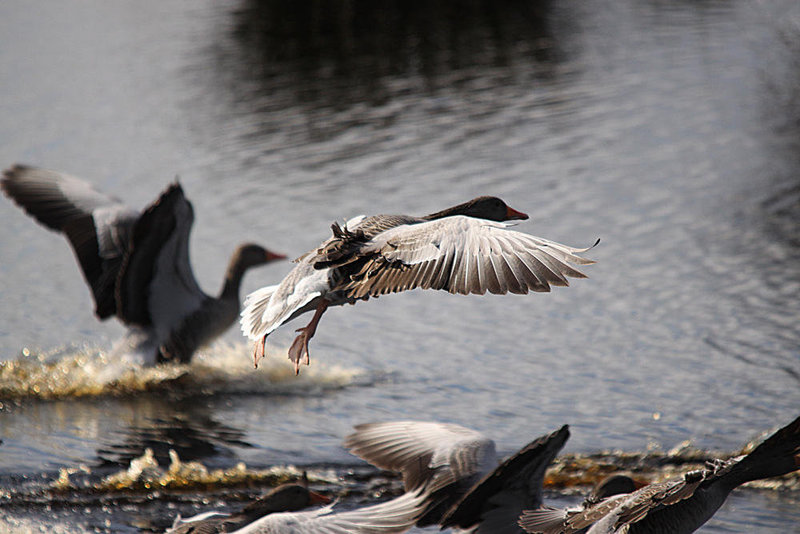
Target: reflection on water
(188,429)
(344,52)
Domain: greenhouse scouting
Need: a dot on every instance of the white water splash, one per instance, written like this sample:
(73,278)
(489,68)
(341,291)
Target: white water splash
(88,371)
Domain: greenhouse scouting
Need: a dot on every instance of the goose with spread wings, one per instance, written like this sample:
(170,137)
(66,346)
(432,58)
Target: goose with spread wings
(680,505)
(464,249)
(475,493)
(136,263)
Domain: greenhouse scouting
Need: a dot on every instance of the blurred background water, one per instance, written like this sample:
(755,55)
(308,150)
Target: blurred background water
(668,129)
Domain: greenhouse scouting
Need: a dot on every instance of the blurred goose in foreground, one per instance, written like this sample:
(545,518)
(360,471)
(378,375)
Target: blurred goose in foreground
(284,498)
(136,264)
(396,515)
(476,494)
(677,506)
(464,249)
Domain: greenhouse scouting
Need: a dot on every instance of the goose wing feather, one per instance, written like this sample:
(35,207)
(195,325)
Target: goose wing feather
(267,308)
(97,225)
(421,450)
(462,255)
(495,503)
(156,286)
(396,515)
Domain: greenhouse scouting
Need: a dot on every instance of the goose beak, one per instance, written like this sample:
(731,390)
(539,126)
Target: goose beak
(317,498)
(512,214)
(274,256)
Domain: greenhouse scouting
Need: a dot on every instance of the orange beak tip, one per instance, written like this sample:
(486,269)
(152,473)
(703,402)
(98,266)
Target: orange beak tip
(274,256)
(318,498)
(512,214)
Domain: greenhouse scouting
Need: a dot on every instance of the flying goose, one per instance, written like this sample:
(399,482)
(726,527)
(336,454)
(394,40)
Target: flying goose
(463,249)
(136,263)
(678,506)
(476,494)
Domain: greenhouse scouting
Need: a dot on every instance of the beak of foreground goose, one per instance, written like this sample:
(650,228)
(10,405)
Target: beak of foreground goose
(317,498)
(274,256)
(512,214)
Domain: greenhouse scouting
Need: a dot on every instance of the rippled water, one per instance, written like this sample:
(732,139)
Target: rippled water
(669,130)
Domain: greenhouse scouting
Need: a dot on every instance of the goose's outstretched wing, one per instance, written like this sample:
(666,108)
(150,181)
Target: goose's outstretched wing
(495,503)
(156,285)
(421,449)
(461,255)
(98,226)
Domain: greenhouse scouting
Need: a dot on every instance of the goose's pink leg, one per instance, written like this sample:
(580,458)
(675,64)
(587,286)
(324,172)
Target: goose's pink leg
(258,353)
(299,349)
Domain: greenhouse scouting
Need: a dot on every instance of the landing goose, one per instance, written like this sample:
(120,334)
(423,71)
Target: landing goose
(476,494)
(284,498)
(136,263)
(464,249)
(678,506)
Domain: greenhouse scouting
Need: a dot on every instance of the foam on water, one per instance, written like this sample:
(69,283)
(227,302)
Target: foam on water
(569,474)
(88,371)
(145,474)
(27,525)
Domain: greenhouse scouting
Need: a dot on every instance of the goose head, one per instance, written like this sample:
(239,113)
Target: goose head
(490,208)
(285,498)
(251,255)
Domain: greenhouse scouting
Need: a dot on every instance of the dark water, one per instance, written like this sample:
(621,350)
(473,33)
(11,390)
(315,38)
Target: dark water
(668,129)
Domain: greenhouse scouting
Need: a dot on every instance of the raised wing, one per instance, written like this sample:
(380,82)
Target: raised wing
(612,513)
(98,226)
(421,450)
(156,285)
(656,496)
(495,503)
(461,255)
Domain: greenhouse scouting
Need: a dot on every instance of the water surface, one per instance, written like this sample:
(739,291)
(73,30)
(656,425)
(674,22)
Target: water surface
(669,130)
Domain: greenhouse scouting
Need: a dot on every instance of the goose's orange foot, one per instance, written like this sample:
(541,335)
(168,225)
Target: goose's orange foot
(298,352)
(258,352)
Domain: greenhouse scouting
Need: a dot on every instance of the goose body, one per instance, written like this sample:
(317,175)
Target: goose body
(677,506)
(466,249)
(136,263)
(476,494)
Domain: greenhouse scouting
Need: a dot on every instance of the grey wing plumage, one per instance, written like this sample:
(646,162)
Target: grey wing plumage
(461,255)
(422,449)
(656,496)
(394,516)
(98,226)
(156,286)
(347,241)
(688,503)
(543,520)
(496,501)
(612,513)
(214,524)
(777,455)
